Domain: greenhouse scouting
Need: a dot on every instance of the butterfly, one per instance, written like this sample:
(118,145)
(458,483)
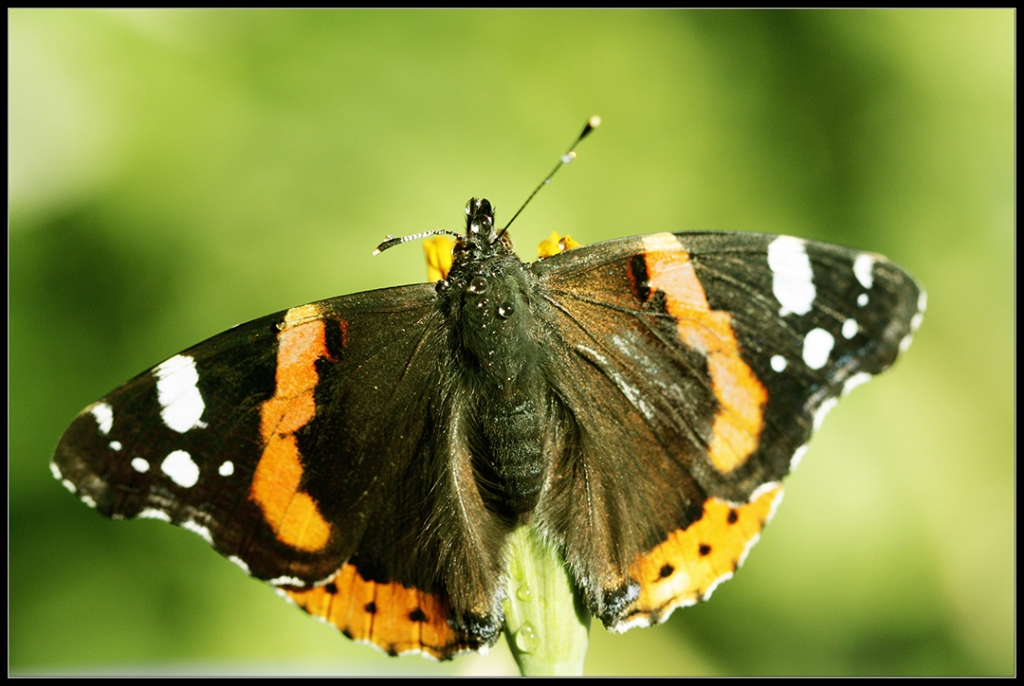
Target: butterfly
(636,401)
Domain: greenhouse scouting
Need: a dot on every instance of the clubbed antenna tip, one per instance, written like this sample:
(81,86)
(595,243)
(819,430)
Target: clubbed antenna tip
(568,157)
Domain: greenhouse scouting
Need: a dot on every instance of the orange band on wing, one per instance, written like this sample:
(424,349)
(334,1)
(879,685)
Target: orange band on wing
(741,397)
(390,616)
(291,513)
(687,567)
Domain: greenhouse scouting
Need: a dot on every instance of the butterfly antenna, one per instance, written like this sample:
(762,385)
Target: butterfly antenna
(391,241)
(568,157)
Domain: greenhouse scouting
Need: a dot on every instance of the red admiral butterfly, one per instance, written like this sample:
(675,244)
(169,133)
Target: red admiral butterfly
(637,401)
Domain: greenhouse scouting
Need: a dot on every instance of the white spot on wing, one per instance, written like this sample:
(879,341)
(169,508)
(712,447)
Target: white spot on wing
(87,499)
(179,466)
(116,445)
(150,513)
(199,529)
(823,410)
(284,594)
(140,465)
(778,363)
(287,581)
(915,321)
(817,347)
(241,563)
(182,404)
(862,267)
(794,461)
(104,415)
(857,379)
(637,622)
(226,469)
(752,542)
(55,470)
(792,277)
(776,501)
(761,490)
(862,300)
(728,575)
(68,485)
(905,343)
(850,328)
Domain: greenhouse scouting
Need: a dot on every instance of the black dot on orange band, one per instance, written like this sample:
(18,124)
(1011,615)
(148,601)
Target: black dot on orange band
(733,516)
(331,588)
(418,615)
(667,571)
(704,549)
(371,607)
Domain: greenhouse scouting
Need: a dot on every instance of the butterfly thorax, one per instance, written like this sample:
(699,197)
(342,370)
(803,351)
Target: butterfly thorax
(497,353)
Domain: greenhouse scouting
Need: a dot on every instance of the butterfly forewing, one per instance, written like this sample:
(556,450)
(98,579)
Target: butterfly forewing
(223,437)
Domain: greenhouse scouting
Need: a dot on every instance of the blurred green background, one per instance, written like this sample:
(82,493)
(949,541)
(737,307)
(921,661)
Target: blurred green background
(174,173)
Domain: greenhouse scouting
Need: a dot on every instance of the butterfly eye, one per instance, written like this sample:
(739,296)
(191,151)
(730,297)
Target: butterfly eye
(478,285)
(506,310)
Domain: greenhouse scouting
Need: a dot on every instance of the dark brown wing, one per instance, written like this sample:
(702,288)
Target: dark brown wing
(318,449)
(691,370)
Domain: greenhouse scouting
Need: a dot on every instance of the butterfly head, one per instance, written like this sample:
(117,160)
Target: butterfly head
(480,219)
(480,241)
